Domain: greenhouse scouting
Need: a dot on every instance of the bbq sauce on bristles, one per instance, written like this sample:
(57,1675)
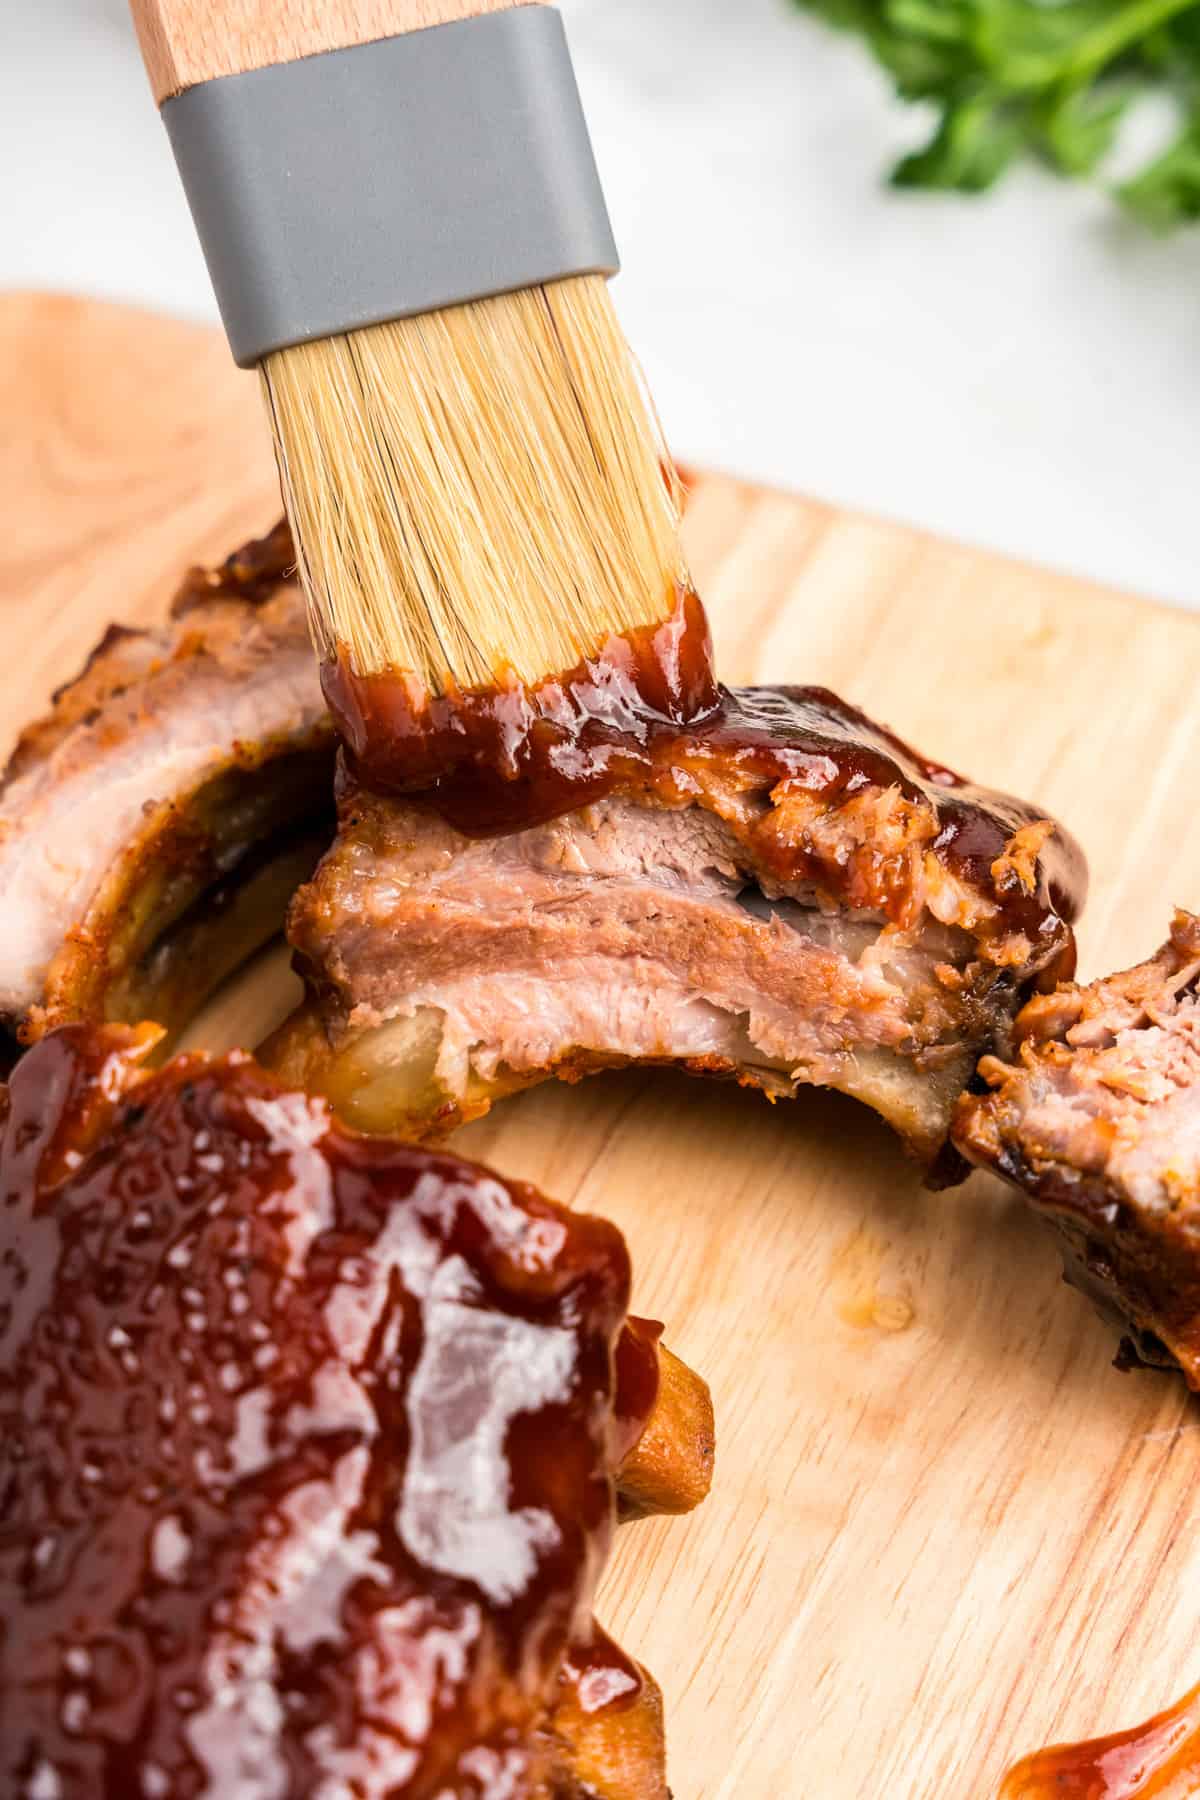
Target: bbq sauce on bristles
(400,208)
(476,490)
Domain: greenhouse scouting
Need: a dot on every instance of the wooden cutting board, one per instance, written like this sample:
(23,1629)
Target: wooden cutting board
(944,1530)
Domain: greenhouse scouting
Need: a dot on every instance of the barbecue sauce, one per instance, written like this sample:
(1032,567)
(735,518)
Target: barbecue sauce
(637,1380)
(1159,1760)
(306,1441)
(515,753)
(646,716)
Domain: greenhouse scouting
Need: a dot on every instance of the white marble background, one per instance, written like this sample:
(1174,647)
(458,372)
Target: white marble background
(1022,371)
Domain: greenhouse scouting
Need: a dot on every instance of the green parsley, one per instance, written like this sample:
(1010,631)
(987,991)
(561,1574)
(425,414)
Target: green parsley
(1053,79)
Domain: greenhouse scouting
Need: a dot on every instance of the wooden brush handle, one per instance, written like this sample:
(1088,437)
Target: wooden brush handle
(188,41)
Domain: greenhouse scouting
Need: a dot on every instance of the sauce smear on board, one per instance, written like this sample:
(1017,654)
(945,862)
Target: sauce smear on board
(1159,1760)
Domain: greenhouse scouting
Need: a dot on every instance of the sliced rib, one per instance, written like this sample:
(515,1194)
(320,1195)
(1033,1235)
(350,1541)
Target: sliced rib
(788,896)
(155,822)
(309,1446)
(1098,1119)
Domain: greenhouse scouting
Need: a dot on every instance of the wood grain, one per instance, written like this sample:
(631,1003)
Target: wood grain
(944,1531)
(188,41)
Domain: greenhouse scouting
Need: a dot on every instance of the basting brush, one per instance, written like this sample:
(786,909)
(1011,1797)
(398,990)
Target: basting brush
(401,214)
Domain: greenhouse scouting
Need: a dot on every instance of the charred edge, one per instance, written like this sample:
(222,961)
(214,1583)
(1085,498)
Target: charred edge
(253,573)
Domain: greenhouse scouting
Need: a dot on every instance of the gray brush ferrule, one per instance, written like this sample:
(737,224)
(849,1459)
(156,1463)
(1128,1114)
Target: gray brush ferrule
(390,179)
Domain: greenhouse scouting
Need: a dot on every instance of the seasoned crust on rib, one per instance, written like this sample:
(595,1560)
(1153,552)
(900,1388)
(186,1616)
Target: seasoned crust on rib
(155,821)
(1097,1119)
(761,927)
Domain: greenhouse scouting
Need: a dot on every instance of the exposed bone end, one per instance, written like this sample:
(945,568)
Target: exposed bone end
(384,1080)
(613,1751)
(670,1468)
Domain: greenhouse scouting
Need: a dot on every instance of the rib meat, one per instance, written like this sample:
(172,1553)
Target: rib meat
(154,824)
(308,1447)
(783,893)
(1098,1119)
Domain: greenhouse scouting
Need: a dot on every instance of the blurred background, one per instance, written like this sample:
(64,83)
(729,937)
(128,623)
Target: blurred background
(1017,368)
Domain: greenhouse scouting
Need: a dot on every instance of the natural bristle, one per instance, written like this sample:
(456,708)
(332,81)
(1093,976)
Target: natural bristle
(476,489)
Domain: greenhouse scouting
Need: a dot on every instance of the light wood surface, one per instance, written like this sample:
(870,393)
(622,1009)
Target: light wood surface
(944,1531)
(188,41)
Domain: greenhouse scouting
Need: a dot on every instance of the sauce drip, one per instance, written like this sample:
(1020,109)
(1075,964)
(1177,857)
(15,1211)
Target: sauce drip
(514,753)
(1159,1760)
(306,1442)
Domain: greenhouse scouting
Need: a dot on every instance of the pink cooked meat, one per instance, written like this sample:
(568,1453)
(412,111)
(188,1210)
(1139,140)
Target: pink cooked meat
(1097,1118)
(797,899)
(155,822)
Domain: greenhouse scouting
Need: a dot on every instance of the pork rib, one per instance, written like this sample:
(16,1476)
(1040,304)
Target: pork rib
(308,1449)
(154,824)
(1097,1118)
(782,893)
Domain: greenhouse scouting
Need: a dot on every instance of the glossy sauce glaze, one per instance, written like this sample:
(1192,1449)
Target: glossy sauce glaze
(513,754)
(1159,1760)
(306,1445)
(646,713)
(647,716)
